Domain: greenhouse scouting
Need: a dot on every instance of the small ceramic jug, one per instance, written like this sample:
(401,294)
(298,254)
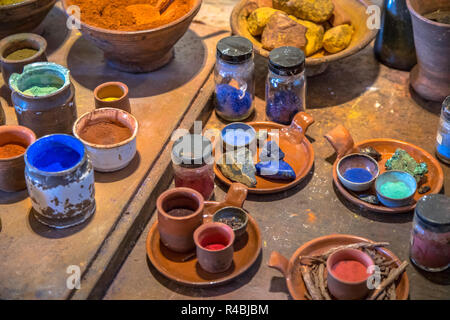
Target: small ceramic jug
(45,114)
(112,95)
(16,42)
(177,231)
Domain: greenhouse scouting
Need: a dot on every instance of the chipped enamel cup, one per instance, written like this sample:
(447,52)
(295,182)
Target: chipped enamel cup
(109,157)
(61,188)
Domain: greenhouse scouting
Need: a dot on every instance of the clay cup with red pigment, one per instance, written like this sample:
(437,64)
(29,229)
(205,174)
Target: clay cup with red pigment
(348,290)
(180,213)
(12,164)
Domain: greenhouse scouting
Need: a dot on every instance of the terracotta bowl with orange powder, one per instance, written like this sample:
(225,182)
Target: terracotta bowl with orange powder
(109,136)
(133,35)
(14,140)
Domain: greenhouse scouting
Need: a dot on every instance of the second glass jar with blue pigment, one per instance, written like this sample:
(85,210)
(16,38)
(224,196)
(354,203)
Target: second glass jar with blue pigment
(286,84)
(443,135)
(234,78)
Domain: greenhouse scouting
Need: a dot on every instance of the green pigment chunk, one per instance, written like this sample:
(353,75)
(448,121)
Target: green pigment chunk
(402,161)
(21,54)
(37,91)
(395,190)
(8,2)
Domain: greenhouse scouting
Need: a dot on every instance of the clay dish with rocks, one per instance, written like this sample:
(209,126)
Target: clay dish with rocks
(119,149)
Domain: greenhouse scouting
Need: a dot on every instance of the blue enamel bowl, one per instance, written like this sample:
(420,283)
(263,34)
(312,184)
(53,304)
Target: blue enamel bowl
(357,161)
(395,176)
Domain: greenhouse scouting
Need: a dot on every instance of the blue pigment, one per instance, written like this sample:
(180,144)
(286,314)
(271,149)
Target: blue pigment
(358,175)
(283,106)
(232,103)
(57,158)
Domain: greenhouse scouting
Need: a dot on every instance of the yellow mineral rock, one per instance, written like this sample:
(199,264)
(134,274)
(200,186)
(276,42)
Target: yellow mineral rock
(258,19)
(338,38)
(317,11)
(314,35)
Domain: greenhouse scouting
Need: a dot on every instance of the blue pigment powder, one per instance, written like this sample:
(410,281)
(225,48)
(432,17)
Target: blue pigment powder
(56,159)
(283,106)
(232,103)
(358,175)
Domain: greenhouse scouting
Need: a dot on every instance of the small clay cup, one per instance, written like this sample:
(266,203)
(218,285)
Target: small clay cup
(238,213)
(347,290)
(214,261)
(112,90)
(110,157)
(177,232)
(357,160)
(238,127)
(12,169)
(394,176)
(16,42)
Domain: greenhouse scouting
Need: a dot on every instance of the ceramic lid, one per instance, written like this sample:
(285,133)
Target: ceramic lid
(434,209)
(287,61)
(192,150)
(234,49)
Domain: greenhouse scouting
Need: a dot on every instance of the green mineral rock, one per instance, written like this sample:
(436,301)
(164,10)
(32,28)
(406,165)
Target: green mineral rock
(238,166)
(402,161)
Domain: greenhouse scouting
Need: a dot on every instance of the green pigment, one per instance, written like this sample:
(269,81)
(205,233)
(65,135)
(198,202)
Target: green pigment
(37,91)
(395,190)
(21,54)
(8,2)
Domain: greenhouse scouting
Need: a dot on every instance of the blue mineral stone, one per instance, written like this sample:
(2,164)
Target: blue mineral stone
(282,106)
(278,170)
(271,151)
(232,102)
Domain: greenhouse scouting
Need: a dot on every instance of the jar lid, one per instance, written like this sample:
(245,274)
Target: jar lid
(287,61)
(234,49)
(192,150)
(434,209)
(446,109)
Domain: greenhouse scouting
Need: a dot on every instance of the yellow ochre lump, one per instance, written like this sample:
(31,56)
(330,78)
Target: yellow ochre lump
(258,19)
(338,38)
(313,10)
(314,35)
(283,31)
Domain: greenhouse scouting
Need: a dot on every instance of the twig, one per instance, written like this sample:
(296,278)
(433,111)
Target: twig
(163,5)
(313,291)
(393,275)
(358,245)
(322,282)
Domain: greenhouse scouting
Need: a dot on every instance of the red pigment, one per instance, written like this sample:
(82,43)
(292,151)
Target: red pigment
(350,270)
(105,132)
(10,150)
(215,246)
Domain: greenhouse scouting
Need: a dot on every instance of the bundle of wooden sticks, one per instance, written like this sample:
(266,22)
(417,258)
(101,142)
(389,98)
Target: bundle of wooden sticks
(313,272)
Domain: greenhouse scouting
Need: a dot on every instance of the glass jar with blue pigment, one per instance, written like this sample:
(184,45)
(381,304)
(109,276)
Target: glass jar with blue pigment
(234,79)
(285,85)
(443,135)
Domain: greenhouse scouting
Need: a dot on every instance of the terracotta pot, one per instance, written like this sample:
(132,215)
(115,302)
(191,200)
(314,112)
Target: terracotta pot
(430,78)
(12,169)
(139,51)
(177,233)
(214,233)
(111,157)
(48,114)
(24,16)
(348,290)
(117,90)
(16,42)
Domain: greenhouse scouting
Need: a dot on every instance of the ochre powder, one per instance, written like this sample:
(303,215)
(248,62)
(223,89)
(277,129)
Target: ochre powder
(10,150)
(105,132)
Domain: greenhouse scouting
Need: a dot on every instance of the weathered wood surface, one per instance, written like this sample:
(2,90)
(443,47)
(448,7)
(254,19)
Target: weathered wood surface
(34,258)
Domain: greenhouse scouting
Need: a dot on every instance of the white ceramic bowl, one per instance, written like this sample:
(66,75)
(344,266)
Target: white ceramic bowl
(111,157)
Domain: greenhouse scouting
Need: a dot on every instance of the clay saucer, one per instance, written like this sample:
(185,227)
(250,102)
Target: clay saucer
(299,153)
(184,268)
(291,268)
(343,143)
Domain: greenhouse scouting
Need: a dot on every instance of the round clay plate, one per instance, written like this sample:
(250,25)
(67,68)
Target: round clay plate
(387,147)
(184,268)
(320,245)
(299,156)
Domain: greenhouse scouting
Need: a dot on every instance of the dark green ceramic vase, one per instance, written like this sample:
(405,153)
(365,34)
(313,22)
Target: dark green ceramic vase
(394,45)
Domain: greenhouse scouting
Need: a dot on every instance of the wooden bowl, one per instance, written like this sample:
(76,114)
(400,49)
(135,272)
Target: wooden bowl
(24,16)
(317,63)
(139,51)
